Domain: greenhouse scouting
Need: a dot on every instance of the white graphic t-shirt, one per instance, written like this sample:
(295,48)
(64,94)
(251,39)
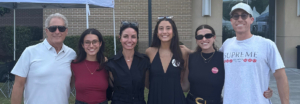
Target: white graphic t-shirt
(248,66)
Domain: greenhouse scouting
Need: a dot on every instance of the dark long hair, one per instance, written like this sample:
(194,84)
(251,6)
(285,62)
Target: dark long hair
(81,54)
(123,27)
(205,26)
(174,46)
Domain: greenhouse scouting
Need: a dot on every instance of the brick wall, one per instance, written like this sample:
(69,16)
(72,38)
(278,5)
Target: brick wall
(131,10)
(24,17)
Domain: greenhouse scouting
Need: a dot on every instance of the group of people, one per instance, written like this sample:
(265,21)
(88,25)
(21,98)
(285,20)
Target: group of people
(46,72)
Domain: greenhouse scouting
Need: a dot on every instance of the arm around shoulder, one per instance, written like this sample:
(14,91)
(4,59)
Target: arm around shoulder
(151,52)
(185,84)
(148,51)
(147,82)
(109,68)
(105,58)
(183,47)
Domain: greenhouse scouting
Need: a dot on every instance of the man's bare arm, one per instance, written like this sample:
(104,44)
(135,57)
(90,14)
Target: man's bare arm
(282,85)
(18,89)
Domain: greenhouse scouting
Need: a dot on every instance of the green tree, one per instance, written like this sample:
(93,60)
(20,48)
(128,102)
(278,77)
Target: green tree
(227,5)
(4,11)
(25,36)
(260,5)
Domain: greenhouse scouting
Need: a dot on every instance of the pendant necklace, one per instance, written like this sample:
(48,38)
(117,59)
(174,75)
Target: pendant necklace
(89,68)
(208,59)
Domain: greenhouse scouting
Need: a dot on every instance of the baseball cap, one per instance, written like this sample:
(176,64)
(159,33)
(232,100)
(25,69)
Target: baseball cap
(242,6)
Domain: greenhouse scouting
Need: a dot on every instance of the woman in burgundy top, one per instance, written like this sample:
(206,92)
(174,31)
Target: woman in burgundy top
(89,75)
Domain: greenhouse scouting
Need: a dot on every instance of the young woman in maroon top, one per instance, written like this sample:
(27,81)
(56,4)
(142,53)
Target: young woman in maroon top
(89,75)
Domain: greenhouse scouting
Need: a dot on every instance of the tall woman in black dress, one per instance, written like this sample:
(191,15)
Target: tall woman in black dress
(167,65)
(127,69)
(204,77)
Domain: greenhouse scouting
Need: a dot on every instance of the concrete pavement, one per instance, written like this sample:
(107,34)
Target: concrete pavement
(293,75)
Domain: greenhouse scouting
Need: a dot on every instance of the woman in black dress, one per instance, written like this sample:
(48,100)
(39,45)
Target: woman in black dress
(204,77)
(127,69)
(167,65)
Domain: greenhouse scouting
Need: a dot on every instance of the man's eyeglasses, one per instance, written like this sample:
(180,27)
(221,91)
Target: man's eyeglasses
(164,17)
(94,42)
(129,23)
(237,16)
(207,36)
(60,28)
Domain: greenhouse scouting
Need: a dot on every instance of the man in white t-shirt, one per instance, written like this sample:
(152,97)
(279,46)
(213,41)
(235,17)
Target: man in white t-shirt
(249,61)
(42,73)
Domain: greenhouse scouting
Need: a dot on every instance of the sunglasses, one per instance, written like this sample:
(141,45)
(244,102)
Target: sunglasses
(207,36)
(125,23)
(236,16)
(164,17)
(60,28)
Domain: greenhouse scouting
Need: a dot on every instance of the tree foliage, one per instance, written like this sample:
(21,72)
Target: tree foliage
(260,5)
(227,5)
(4,11)
(25,36)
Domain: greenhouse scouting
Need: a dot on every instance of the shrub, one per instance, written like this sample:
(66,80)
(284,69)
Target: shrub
(71,41)
(25,36)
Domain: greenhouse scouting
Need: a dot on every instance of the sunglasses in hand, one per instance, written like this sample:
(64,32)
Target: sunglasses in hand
(207,36)
(60,28)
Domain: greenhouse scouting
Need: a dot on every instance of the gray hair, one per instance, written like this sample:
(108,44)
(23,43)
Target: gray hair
(56,15)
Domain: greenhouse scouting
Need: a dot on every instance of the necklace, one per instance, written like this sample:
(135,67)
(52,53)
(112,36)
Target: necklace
(89,69)
(208,59)
(128,59)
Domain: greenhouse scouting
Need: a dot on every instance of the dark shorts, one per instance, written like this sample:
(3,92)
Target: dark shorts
(80,102)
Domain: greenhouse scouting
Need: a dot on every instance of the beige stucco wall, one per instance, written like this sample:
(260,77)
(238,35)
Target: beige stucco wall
(287,31)
(215,20)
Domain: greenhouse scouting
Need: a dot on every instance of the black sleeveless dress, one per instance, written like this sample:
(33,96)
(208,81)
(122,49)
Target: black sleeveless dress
(165,88)
(206,77)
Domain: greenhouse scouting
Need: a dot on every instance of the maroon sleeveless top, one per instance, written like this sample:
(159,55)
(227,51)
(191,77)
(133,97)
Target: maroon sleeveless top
(90,88)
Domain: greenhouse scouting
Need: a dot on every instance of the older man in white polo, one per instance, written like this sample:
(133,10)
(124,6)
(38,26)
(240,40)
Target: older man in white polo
(43,70)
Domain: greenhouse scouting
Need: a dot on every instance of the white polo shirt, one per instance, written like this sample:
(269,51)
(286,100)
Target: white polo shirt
(47,73)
